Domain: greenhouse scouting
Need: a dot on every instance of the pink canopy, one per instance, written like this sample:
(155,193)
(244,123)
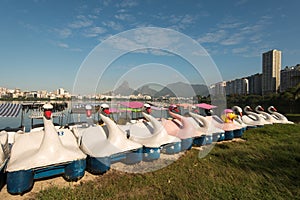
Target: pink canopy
(158,108)
(133,104)
(228,111)
(205,106)
(185,105)
(115,110)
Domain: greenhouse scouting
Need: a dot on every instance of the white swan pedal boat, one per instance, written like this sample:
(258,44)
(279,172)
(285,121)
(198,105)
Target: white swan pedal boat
(103,148)
(42,154)
(215,133)
(153,136)
(4,156)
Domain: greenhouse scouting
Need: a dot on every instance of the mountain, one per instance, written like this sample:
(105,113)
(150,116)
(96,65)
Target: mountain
(181,89)
(145,90)
(124,89)
(200,89)
(178,89)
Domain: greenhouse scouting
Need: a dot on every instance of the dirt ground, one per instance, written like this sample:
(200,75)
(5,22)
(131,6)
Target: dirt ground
(43,184)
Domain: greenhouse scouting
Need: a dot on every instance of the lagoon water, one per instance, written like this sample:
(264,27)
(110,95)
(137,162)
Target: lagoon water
(14,122)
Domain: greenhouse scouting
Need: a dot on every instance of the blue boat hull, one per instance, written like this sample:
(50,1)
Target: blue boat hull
(208,139)
(229,135)
(186,144)
(216,136)
(171,148)
(19,182)
(2,176)
(151,153)
(98,165)
(133,157)
(199,141)
(238,133)
(222,137)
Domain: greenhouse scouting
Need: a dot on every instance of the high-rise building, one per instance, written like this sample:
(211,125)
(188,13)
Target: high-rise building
(271,66)
(289,77)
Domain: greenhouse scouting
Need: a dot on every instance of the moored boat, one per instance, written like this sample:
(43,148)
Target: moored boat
(279,118)
(43,154)
(103,148)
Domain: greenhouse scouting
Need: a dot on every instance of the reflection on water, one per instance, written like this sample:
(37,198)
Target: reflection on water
(14,122)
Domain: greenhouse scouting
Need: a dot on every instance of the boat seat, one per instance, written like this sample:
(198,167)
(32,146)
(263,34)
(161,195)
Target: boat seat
(42,125)
(9,129)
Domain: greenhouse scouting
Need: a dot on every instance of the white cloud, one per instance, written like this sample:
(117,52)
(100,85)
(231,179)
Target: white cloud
(127,3)
(67,47)
(104,37)
(241,2)
(30,27)
(230,25)
(240,50)
(124,17)
(213,37)
(155,38)
(180,22)
(106,2)
(255,39)
(233,39)
(94,32)
(63,45)
(124,43)
(234,32)
(141,38)
(63,33)
(122,11)
(81,22)
(97,11)
(113,25)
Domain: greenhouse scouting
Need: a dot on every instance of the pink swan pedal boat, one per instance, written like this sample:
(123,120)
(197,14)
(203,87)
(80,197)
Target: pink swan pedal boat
(183,127)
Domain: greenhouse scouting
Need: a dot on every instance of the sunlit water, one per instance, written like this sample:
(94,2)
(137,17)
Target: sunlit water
(14,122)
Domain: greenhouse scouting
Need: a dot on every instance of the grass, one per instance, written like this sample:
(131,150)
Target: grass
(266,166)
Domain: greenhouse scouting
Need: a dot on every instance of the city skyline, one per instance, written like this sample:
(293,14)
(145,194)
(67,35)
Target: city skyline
(44,43)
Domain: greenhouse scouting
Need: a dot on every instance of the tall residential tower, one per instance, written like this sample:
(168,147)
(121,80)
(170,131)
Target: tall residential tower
(271,66)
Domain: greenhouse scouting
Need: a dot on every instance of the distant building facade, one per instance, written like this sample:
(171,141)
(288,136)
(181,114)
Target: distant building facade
(255,84)
(237,86)
(218,88)
(271,66)
(289,77)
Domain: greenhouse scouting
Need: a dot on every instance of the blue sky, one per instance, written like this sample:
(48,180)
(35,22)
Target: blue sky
(43,43)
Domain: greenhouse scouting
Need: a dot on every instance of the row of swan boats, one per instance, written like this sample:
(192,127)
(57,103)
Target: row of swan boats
(94,146)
